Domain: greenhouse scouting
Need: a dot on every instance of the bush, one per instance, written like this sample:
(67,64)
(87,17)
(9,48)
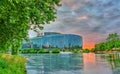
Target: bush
(55,50)
(86,50)
(76,50)
(43,51)
(34,51)
(30,50)
(10,64)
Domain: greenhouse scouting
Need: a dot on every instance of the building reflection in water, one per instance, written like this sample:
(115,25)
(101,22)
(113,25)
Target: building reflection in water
(94,64)
(58,64)
(55,64)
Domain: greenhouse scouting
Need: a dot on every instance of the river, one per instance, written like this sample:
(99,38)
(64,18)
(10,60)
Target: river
(84,63)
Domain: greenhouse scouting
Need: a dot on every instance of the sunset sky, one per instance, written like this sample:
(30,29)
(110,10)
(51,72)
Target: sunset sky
(91,19)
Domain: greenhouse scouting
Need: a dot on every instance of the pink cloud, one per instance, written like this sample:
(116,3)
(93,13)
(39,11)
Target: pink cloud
(82,17)
(75,6)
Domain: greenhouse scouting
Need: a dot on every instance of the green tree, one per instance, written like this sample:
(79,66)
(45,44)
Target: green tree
(113,37)
(100,46)
(18,16)
(114,40)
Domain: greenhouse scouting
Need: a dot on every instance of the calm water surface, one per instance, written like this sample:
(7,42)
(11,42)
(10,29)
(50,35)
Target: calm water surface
(86,63)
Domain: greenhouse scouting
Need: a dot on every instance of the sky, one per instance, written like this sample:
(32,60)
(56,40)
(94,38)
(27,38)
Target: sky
(91,19)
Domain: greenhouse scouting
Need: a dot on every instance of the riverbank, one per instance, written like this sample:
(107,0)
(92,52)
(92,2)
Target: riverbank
(100,51)
(12,64)
(54,50)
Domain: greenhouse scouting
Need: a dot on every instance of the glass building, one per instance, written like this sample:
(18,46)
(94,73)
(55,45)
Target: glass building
(54,40)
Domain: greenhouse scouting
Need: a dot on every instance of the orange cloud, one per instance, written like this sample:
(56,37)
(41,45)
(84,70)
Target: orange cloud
(83,17)
(88,45)
(90,39)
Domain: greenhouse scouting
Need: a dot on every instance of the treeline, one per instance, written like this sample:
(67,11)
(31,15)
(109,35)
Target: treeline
(112,43)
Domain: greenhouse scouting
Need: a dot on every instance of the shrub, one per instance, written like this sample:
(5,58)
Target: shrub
(76,50)
(55,50)
(86,50)
(34,51)
(29,50)
(10,64)
(43,51)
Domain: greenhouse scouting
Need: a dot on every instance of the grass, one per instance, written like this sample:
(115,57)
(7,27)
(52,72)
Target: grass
(12,64)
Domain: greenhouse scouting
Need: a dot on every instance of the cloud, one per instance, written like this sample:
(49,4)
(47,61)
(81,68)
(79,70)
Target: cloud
(92,19)
(82,17)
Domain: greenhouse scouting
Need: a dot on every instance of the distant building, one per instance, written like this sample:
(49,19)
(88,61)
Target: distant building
(53,39)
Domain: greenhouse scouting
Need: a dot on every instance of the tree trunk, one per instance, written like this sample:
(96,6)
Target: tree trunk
(15,51)
(15,47)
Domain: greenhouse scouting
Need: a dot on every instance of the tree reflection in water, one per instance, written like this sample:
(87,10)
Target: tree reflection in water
(114,60)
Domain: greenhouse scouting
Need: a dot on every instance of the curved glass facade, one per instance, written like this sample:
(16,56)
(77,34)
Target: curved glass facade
(54,40)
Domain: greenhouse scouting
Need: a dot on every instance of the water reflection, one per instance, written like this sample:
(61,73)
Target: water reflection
(114,60)
(87,63)
(94,64)
(62,63)
(54,64)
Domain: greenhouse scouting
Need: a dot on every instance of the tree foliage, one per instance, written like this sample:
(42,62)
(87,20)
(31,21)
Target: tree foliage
(112,42)
(17,17)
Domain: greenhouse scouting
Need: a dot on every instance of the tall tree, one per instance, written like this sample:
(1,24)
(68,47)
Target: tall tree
(17,17)
(113,39)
